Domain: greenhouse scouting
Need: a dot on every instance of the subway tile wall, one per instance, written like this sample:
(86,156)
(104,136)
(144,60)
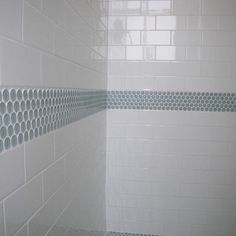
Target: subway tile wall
(171,172)
(54,184)
(187,45)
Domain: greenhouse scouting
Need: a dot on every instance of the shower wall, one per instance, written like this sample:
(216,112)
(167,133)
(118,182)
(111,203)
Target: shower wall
(171,166)
(52,137)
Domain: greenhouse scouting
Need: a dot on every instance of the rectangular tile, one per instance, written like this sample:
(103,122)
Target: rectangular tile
(156,37)
(22,232)
(10,18)
(11,171)
(39,153)
(35,3)
(22,204)
(24,60)
(53,178)
(38,30)
(53,71)
(217,7)
(45,218)
(2,230)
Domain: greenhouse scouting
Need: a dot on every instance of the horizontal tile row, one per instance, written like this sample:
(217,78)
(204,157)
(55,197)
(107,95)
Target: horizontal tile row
(173,22)
(173,101)
(125,234)
(177,7)
(26,114)
(40,178)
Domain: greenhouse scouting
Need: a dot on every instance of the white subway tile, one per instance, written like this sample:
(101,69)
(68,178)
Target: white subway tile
(53,71)
(193,53)
(53,178)
(219,38)
(2,231)
(64,140)
(11,171)
(157,69)
(24,60)
(227,22)
(22,232)
(186,68)
(186,7)
(38,30)
(186,38)
(135,23)
(158,7)
(20,206)
(209,23)
(129,38)
(156,37)
(56,10)
(137,83)
(35,3)
(117,23)
(39,153)
(149,53)
(45,218)
(170,23)
(132,37)
(150,23)
(170,53)
(117,53)
(10,18)
(193,22)
(134,53)
(170,83)
(217,69)
(217,7)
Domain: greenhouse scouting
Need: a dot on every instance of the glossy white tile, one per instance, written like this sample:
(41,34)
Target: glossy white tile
(35,3)
(24,60)
(53,71)
(39,153)
(12,171)
(156,38)
(53,178)
(20,206)
(170,23)
(22,232)
(134,53)
(2,230)
(38,30)
(10,18)
(217,7)
(135,22)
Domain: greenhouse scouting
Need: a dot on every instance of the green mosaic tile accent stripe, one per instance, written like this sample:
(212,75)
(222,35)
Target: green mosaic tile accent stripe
(26,114)
(172,101)
(127,234)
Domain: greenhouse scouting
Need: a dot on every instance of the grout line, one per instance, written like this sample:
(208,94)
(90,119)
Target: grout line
(22,20)
(42,181)
(4,217)
(24,154)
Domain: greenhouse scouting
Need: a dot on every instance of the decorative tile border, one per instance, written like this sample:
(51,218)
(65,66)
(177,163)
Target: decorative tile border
(172,101)
(28,113)
(127,234)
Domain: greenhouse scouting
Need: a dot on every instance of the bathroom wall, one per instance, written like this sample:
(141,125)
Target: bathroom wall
(52,141)
(171,166)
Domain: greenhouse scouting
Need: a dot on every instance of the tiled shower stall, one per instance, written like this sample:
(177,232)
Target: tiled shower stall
(117,117)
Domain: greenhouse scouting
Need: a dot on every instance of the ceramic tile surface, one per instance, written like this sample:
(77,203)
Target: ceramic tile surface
(170,153)
(53,78)
(172,101)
